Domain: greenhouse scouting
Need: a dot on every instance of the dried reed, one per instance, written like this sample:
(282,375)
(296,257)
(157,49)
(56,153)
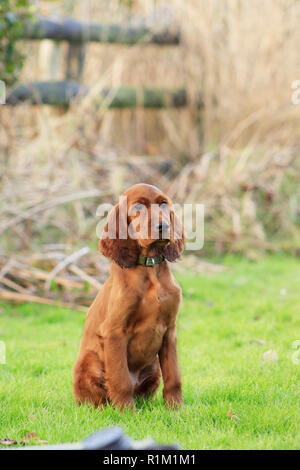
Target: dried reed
(238,154)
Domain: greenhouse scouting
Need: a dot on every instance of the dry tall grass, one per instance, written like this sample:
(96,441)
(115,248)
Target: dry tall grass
(239,154)
(244,56)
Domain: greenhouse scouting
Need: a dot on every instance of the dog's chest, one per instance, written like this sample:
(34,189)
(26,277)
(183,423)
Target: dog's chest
(158,306)
(144,344)
(155,311)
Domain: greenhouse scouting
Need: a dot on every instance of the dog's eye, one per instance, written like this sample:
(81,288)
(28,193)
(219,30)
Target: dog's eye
(139,207)
(163,204)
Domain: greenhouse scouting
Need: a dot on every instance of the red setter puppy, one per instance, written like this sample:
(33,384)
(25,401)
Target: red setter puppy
(129,337)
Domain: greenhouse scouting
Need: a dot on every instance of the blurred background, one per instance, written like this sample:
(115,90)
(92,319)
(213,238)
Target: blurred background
(194,97)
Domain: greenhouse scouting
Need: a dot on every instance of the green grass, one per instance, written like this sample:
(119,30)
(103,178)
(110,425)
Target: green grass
(222,370)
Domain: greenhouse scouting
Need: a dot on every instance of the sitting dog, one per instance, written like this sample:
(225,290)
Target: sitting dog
(129,337)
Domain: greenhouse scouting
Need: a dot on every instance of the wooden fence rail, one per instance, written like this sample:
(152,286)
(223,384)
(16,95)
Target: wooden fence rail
(62,93)
(77,34)
(75,31)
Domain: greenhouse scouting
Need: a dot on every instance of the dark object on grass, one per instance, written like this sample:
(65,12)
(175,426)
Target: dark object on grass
(107,439)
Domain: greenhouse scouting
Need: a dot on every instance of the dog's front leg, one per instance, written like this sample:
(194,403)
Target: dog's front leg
(172,392)
(118,381)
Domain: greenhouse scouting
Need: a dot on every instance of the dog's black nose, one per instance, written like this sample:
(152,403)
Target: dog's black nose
(162,226)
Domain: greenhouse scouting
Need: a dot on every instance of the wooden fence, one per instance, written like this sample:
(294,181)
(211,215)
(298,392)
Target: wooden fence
(77,34)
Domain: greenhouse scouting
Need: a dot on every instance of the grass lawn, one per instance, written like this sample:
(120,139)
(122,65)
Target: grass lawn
(222,367)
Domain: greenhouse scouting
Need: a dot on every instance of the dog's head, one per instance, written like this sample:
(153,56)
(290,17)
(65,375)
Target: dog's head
(143,220)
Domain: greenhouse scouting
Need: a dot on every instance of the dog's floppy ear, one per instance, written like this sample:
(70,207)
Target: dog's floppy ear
(115,242)
(173,251)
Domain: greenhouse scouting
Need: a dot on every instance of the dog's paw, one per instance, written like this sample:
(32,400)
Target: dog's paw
(125,405)
(174,403)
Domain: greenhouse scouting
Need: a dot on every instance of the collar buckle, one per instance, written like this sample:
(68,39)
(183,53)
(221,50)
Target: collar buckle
(150,261)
